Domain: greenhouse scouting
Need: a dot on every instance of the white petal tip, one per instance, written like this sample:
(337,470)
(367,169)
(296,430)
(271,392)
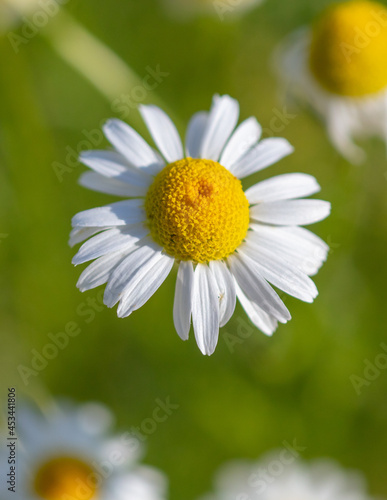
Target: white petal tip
(326,209)
(78,259)
(183,335)
(287,148)
(122,315)
(108,302)
(207,352)
(109,122)
(83,155)
(268,333)
(285,319)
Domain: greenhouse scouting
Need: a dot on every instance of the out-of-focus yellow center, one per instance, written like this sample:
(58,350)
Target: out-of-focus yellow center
(65,478)
(197,210)
(348,53)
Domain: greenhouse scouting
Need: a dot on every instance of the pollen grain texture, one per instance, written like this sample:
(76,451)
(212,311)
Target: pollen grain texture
(197,210)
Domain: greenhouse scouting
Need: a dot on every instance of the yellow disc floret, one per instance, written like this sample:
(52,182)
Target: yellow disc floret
(65,477)
(197,210)
(348,52)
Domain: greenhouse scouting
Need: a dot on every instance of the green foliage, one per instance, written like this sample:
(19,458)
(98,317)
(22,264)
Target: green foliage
(234,404)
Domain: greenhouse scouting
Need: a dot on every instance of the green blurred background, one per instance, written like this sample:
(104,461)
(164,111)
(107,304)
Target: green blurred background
(239,402)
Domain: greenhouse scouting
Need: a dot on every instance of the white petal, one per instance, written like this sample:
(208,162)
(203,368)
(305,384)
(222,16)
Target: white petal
(340,127)
(182,306)
(266,153)
(114,165)
(256,288)
(121,277)
(297,245)
(245,136)
(101,184)
(266,323)
(79,234)
(98,272)
(283,187)
(226,290)
(163,132)
(115,214)
(146,283)
(112,240)
(222,120)
(291,213)
(205,309)
(279,272)
(131,145)
(195,133)
(138,483)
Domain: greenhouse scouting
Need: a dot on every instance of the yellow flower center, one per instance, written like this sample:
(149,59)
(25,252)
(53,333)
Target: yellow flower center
(65,478)
(197,210)
(349,48)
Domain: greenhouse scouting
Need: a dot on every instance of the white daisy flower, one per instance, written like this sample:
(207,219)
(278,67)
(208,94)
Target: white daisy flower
(223,9)
(69,454)
(338,68)
(188,206)
(273,478)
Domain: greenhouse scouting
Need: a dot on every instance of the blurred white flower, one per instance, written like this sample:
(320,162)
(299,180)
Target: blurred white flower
(187,205)
(274,479)
(223,9)
(69,453)
(338,67)
(12,12)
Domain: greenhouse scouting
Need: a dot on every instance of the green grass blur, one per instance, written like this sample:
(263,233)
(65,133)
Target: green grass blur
(295,385)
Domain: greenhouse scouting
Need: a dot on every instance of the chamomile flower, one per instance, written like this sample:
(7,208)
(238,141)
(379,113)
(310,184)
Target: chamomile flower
(338,67)
(223,9)
(69,454)
(281,475)
(188,207)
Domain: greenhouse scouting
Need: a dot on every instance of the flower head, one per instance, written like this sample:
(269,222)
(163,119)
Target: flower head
(69,453)
(189,207)
(338,67)
(281,475)
(349,48)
